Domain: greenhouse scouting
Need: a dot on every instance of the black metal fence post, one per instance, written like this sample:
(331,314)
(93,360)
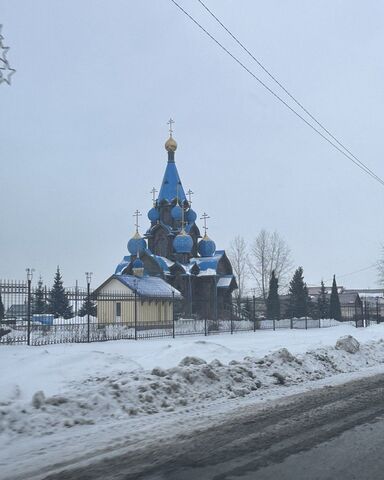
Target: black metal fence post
(205,327)
(135,313)
(377,311)
(306,323)
(88,313)
(173,314)
(29,300)
(274,324)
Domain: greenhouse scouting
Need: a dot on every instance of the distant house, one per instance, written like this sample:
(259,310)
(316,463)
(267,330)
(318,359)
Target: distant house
(351,305)
(141,299)
(17,312)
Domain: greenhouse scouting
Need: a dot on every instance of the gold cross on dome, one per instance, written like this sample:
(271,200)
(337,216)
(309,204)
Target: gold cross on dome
(170,122)
(205,217)
(137,214)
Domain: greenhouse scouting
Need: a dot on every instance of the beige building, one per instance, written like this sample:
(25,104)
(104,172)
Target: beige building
(136,300)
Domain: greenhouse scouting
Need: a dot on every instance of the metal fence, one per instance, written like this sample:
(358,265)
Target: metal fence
(28,318)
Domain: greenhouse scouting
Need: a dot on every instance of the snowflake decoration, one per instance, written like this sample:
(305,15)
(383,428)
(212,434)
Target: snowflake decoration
(6,71)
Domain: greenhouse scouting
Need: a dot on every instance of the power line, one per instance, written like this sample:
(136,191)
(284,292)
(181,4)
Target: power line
(353,273)
(357,162)
(298,103)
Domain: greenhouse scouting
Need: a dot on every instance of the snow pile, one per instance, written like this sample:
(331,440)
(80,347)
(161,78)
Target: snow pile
(192,382)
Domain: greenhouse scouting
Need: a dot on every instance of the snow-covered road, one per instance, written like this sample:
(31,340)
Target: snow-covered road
(59,403)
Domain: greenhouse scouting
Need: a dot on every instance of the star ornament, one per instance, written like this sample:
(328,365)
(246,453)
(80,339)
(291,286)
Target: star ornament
(6,72)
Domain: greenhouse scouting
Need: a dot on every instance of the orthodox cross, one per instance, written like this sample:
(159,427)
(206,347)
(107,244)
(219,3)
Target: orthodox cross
(137,214)
(190,193)
(205,218)
(170,122)
(153,191)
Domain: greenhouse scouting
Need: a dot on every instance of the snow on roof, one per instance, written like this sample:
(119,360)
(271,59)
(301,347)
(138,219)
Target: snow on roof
(148,286)
(122,265)
(205,263)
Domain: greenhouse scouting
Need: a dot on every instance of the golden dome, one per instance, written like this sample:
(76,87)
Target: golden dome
(171,144)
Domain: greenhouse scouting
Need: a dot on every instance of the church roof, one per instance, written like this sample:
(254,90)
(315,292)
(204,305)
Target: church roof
(171,186)
(148,286)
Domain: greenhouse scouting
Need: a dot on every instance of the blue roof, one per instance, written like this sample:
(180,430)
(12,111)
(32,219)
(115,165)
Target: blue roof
(149,286)
(163,262)
(205,263)
(123,264)
(171,180)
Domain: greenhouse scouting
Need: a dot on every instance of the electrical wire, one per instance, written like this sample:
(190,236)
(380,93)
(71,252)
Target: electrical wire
(298,103)
(349,156)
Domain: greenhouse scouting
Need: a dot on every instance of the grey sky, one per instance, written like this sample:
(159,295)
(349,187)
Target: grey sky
(84,123)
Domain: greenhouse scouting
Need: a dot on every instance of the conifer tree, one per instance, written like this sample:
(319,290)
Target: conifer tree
(273,301)
(322,302)
(298,295)
(58,303)
(39,303)
(2,310)
(88,306)
(334,304)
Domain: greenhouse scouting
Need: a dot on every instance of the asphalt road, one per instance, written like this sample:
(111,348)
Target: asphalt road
(331,433)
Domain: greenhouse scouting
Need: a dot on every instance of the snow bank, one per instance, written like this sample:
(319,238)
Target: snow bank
(194,380)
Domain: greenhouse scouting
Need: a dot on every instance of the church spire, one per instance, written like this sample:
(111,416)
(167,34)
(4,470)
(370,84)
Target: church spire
(171,187)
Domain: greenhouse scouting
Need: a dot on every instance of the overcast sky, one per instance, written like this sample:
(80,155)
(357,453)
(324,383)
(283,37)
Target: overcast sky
(83,128)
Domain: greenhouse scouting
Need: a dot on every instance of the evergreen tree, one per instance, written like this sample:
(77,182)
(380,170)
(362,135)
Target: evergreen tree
(322,302)
(88,307)
(2,310)
(58,303)
(273,301)
(39,302)
(298,295)
(334,305)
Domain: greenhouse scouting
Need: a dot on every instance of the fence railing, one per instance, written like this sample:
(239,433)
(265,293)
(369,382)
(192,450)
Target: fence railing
(31,315)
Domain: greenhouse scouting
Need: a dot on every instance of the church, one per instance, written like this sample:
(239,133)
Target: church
(173,249)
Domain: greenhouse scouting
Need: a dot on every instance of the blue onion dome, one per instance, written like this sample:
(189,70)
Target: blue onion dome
(191,216)
(136,244)
(153,214)
(177,212)
(183,243)
(207,247)
(138,263)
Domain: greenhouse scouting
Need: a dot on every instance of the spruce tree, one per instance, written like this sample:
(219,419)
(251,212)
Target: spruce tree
(334,304)
(273,301)
(298,295)
(2,310)
(88,307)
(58,303)
(39,302)
(322,302)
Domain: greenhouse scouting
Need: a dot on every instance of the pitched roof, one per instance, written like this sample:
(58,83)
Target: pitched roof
(148,286)
(171,186)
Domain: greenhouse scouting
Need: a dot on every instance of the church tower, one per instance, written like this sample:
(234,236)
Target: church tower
(172,248)
(173,233)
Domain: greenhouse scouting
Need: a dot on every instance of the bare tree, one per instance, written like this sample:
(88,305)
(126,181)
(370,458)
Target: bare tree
(239,259)
(269,252)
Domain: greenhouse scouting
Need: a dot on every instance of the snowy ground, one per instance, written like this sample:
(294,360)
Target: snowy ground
(54,396)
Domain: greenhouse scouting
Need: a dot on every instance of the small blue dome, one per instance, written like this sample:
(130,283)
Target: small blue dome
(136,244)
(153,214)
(191,216)
(177,212)
(183,243)
(138,263)
(207,247)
